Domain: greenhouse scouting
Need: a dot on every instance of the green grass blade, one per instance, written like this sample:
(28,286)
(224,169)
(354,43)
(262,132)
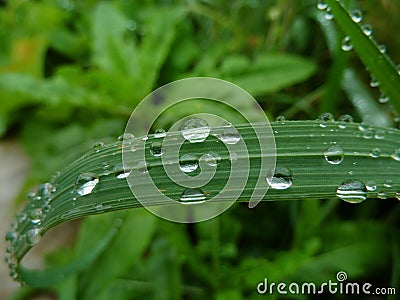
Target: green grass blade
(378,64)
(300,148)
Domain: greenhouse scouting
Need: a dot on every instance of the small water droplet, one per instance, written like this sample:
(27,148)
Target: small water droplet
(382,49)
(356,15)
(328,14)
(33,236)
(233,156)
(131,25)
(142,167)
(160,133)
(188,163)
(21,216)
(195,130)
(281,119)
(211,158)
(192,196)
(282,179)
(322,5)
(388,183)
(380,134)
(367,29)
(36,215)
(363,126)
(325,118)
(352,191)
(127,137)
(156,149)
(334,154)
(97,146)
(11,235)
(375,153)
(398,195)
(46,208)
(85,183)
(344,120)
(371,185)
(98,206)
(120,171)
(230,136)
(369,134)
(346,44)
(383,98)
(33,196)
(382,195)
(374,82)
(396,154)
(46,190)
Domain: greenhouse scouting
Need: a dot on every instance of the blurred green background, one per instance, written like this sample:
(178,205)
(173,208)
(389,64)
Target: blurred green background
(71,72)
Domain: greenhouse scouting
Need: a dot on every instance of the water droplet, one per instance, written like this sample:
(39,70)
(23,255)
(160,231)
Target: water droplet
(371,185)
(211,158)
(282,179)
(344,120)
(98,206)
(156,149)
(131,25)
(11,236)
(352,191)
(230,136)
(160,133)
(142,167)
(356,15)
(382,49)
(325,118)
(33,196)
(188,163)
(21,216)
(33,236)
(363,126)
(46,208)
(382,195)
(396,154)
(120,171)
(192,196)
(375,153)
(46,190)
(380,134)
(398,195)
(36,215)
(369,134)
(374,82)
(85,183)
(334,154)
(346,44)
(281,119)
(233,156)
(367,29)
(97,146)
(322,5)
(383,98)
(328,14)
(388,183)
(127,137)
(195,130)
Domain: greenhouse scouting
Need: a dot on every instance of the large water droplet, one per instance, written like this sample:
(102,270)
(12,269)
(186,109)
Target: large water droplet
(120,171)
(188,163)
(85,183)
(367,29)
(334,154)
(36,215)
(346,44)
(230,136)
(352,191)
(322,5)
(195,130)
(192,196)
(375,153)
(156,149)
(33,236)
(282,179)
(396,154)
(356,15)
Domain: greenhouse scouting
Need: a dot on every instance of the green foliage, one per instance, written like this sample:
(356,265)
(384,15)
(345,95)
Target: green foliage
(71,72)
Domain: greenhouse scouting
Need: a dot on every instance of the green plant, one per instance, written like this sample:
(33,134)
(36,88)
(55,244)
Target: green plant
(321,155)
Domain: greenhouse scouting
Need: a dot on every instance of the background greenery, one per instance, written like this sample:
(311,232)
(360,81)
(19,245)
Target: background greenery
(71,72)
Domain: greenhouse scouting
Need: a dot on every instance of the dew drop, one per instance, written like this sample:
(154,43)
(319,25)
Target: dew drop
(21,216)
(363,126)
(367,29)
(142,167)
(281,119)
(131,25)
(230,136)
(97,146)
(156,149)
(211,158)
(36,215)
(46,208)
(160,133)
(374,82)
(322,5)
(388,183)
(33,196)
(33,236)
(346,44)
(375,153)
(86,182)
(371,185)
(382,195)
(380,134)
(46,190)
(11,235)
(325,118)
(398,195)
(126,137)
(334,154)
(328,14)
(188,163)
(369,134)
(98,206)
(195,130)
(396,154)
(282,179)
(352,191)
(382,49)
(344,120)
(356,15)
(383,98)
(192,196)
(120,171)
